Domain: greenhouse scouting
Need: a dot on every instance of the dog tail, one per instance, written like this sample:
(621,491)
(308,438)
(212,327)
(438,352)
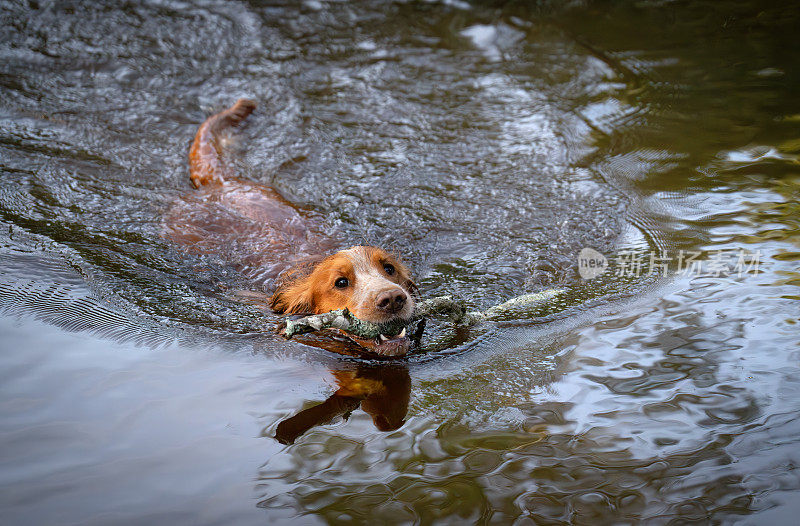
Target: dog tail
(205,165)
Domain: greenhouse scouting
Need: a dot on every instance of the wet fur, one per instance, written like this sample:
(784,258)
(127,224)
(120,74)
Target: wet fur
(308,288)
(275,239)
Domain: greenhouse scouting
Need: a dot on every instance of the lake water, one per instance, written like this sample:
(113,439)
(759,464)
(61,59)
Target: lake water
(488,144)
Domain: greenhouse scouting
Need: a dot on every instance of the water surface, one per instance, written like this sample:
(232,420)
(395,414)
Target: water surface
(487,144)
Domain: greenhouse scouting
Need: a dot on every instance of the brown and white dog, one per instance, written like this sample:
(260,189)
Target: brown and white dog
(267,237)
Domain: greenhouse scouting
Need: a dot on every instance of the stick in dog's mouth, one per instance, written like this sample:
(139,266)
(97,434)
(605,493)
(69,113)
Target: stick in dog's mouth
(390,338)
(384,339)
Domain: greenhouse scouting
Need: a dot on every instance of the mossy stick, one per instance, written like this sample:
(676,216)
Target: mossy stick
(442,306)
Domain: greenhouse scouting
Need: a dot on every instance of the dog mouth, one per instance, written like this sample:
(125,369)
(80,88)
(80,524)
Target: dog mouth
(384,345)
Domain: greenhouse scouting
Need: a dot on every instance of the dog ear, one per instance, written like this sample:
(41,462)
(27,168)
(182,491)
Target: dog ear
(293,294)
(293,298)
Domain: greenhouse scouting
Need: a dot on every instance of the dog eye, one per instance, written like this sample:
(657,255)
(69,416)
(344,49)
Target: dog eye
(388,268)
(341,283)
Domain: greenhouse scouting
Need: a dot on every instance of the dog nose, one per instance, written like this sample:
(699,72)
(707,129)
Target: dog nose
(391,301)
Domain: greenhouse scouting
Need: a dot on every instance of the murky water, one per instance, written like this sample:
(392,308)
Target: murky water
(487,145)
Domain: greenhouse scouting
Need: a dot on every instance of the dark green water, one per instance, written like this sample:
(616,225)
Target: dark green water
(486,143)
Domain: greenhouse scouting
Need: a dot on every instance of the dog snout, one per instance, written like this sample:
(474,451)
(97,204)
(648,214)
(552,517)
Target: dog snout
(390,301)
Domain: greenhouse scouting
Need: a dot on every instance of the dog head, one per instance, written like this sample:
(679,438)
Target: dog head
(368,281)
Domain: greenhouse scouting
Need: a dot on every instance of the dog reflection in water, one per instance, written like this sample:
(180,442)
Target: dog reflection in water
(382,392)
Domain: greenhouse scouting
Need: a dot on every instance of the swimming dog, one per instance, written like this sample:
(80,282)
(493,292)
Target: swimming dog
(269,238)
